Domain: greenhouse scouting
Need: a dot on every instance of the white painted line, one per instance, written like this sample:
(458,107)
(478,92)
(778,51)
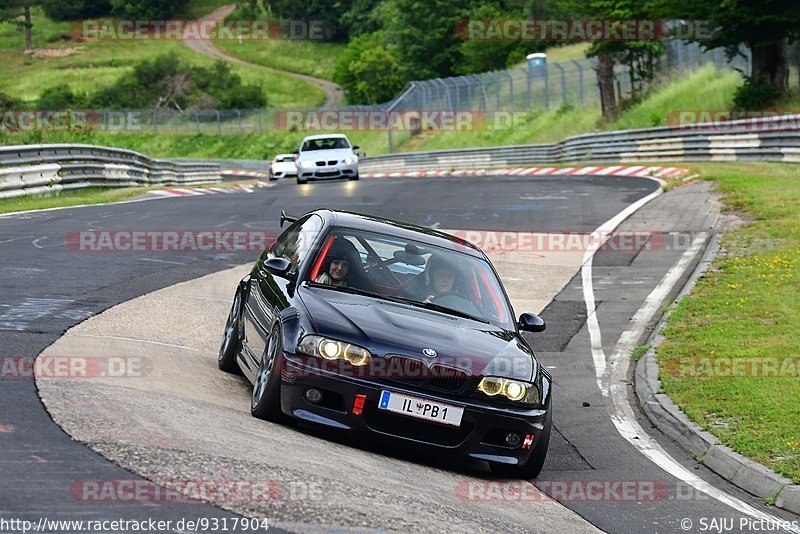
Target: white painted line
(119,338)
(611,375)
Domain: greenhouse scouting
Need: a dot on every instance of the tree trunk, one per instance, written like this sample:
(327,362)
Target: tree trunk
(770,64)
(28,26)
(605,81)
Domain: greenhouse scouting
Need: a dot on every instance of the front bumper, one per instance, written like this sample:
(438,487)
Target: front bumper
(480,435)
(322,173)
(281,173)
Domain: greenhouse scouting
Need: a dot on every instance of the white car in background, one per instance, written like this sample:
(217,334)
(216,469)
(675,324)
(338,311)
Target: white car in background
(282,165)
(326,156)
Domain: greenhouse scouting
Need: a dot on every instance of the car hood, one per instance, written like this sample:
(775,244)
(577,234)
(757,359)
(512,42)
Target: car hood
(320,155)
(385,327)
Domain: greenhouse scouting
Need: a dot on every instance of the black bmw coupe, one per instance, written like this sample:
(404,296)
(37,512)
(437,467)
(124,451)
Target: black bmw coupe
(398,331)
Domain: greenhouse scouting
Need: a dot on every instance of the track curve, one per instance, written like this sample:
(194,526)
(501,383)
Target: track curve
(62,277)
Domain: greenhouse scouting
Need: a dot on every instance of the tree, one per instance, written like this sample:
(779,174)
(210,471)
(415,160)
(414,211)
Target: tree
(13,10)
(76,9)
(368,71)
(422,34)
(638,56)
(765,27)
(148,9)
(482,56)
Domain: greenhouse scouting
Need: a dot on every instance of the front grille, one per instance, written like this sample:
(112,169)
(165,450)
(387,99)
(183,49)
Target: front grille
(319,163)
(333,162)
(447,379)
(417,373)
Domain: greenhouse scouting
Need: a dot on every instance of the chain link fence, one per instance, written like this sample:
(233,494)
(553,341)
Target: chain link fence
(521,88)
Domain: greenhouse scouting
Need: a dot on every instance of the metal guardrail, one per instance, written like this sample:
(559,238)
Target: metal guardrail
(772,139)
(36,169)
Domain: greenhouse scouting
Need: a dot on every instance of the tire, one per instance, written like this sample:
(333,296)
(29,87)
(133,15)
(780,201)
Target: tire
(231,343)
(354,178)
(301,182)
(265,403)
(534,465)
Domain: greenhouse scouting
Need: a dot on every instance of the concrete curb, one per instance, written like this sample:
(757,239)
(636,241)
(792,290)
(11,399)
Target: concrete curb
(703,446)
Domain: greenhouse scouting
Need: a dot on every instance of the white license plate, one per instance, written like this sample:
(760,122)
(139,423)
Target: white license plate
(421,408)
(328,169)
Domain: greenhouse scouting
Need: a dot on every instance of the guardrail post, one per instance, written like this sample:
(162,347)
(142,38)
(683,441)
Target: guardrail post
(175,120)
(219,123)
(530,97)
(241,126)
(155,120)
(260,120)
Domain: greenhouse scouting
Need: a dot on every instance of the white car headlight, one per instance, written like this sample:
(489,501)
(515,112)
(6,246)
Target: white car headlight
(348,161)
(306,164)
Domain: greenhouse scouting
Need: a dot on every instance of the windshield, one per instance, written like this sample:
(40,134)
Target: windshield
(329,143)
(284,159)
(413,272)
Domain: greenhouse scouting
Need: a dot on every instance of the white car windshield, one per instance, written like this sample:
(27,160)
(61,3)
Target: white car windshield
(284,159)
(331,143)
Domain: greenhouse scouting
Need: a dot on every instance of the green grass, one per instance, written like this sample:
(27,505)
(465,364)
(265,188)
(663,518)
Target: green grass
(89,195)
(304,57)
(706,88)
(246,146)
(745,306)
(94,64)
(639,351)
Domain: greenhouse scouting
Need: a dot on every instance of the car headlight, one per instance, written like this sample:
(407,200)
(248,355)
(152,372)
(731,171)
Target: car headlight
(331,349)
(507,389)
(348,161)
(306,164)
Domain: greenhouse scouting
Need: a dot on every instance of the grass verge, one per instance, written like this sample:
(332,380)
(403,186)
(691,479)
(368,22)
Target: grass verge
(731,354)
(90,65)
(78,197)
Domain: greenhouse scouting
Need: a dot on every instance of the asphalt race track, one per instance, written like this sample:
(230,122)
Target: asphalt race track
(48,287)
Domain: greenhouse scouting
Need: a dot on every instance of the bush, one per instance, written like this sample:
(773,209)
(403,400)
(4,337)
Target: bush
(6,102)
(59,97)
(367,71)
(166,83)
(148,9)
(754,95)
(76,9)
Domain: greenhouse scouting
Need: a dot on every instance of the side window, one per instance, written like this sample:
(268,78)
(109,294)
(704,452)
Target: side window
(296,241)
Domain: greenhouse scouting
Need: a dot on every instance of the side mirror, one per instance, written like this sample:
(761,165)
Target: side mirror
(296,151)
(356,147)
(361,154)
(530,322)
(277,266)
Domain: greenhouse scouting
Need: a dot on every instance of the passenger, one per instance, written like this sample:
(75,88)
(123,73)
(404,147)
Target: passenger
(338,262)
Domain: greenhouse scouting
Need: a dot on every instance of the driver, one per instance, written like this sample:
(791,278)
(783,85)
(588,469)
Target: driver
(441,277)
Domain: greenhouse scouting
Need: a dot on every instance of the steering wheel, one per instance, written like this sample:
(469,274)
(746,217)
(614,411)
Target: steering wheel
(457,302)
